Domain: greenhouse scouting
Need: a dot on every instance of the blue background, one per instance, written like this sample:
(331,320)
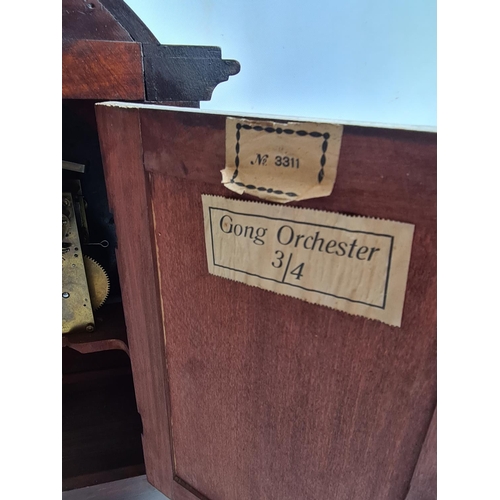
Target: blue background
(351,60)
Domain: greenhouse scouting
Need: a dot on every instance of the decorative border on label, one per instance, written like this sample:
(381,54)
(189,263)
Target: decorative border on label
(277,130)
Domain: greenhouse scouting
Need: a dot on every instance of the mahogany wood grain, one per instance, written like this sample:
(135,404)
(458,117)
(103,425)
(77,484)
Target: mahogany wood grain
(192,146)
(183,145)
(90,20)
(130,21)
(424,482)
(102,70)
(129,198)
(272,397)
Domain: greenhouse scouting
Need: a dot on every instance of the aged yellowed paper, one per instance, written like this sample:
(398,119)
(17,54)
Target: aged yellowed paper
(281,162)
(358,265)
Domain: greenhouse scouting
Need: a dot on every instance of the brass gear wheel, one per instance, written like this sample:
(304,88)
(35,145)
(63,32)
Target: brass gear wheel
(97,280)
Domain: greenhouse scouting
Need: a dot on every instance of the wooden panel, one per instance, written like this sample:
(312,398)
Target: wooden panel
(424,482)
(102,70)
(183,144)
(276,398)
(272,397)
(129,201)
(374,163)
(89,20)
(129,20)
(264,386)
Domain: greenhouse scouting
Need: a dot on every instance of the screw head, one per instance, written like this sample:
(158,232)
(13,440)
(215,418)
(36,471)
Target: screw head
(65,295)
(89,328)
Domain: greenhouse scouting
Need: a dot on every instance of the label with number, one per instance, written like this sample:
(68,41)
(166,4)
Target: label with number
(281,161)
(354,264)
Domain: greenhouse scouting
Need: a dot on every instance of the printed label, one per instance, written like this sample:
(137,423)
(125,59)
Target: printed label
(281,162)
(354,264)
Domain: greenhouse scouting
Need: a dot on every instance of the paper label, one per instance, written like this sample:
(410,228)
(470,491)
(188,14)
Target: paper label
(354,264)
(281,162)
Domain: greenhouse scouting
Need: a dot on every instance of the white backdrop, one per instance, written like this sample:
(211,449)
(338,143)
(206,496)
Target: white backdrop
(349,60)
